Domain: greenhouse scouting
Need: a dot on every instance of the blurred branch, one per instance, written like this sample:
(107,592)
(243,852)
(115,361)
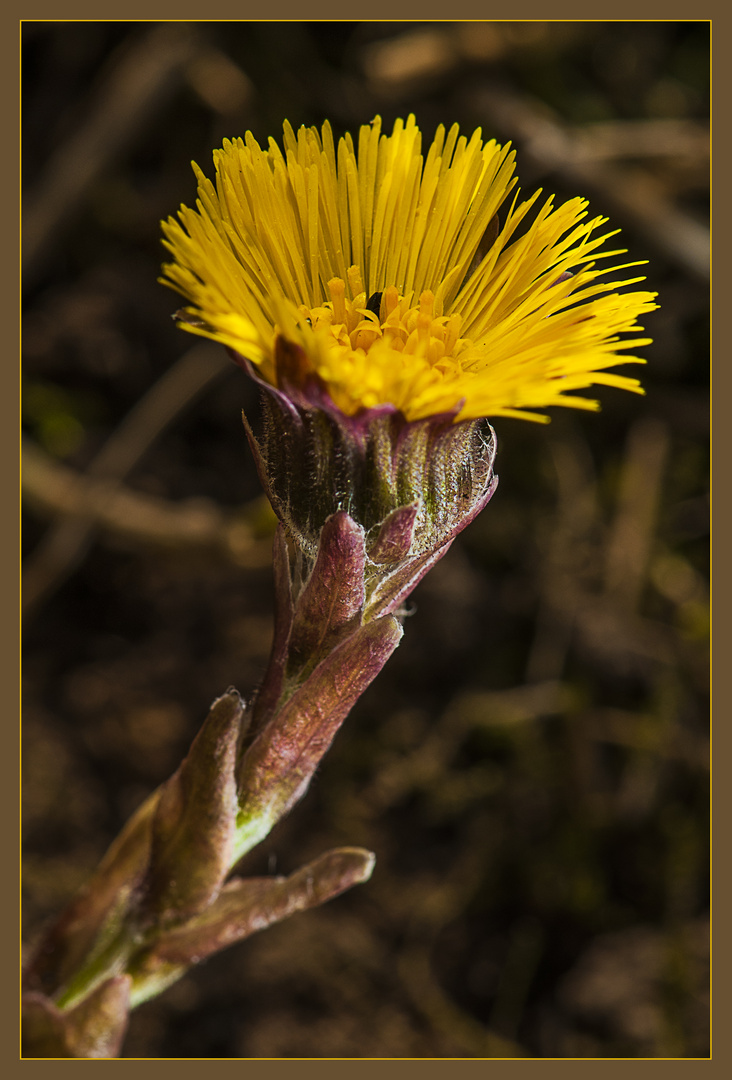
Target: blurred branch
(639,731)
(174,391)
(629,545)
(576,604)
(425,768)
(54,489)
(134,90)
(432,909)
(64,546)
(561,576)
(613,139)
(580,158)
(443,1014)
(219,81)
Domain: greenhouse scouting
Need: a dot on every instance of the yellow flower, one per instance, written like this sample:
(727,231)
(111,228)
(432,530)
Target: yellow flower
(394,277)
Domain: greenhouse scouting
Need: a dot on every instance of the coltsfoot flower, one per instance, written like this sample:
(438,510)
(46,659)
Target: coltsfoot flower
(363,258)
(388,304)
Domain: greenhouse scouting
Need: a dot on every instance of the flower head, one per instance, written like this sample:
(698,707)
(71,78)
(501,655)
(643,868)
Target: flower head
(387,304)
(404,282)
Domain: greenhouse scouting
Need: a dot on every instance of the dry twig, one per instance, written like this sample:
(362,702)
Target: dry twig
(64,546)
(626,190)
(129,98)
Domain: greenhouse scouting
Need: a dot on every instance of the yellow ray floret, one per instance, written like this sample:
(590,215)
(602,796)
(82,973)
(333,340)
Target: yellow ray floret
(391,271)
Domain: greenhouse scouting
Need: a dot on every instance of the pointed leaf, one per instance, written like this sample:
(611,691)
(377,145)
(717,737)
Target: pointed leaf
(394,587)
(277,768)
(193,830)
(244,906)
(395,535)
(98,910)
(392,590)
(97,1026)
(333,595)
(43,1032)
(93,1029)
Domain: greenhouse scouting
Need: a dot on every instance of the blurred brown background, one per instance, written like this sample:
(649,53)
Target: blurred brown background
(531,768)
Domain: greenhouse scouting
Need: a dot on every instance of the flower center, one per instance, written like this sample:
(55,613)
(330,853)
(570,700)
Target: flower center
(388,319)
